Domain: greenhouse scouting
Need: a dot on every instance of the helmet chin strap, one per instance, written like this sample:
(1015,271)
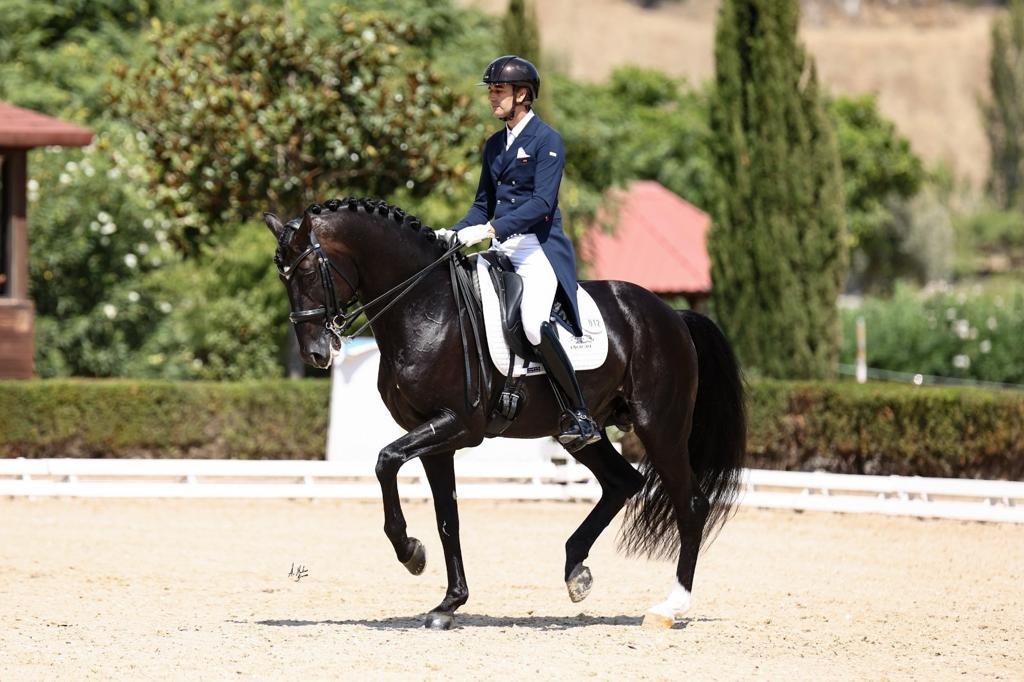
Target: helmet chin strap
(512,114)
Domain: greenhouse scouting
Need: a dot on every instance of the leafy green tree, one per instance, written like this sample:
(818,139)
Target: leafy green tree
(881,174)
(641,124)
(225,314)
(778,241)
(248,111)
(55,57)
(113,295)
(1004,113)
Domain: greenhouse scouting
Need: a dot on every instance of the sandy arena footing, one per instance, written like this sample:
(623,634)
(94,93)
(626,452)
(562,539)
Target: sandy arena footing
(171,589)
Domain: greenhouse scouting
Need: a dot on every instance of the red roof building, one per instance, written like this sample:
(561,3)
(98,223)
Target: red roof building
(658,241)
(26,128)
(20,130)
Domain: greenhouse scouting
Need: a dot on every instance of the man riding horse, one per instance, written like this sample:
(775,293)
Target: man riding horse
(669,374)
(516,206)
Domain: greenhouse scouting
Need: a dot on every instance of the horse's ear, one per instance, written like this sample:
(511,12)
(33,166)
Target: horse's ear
(274,223)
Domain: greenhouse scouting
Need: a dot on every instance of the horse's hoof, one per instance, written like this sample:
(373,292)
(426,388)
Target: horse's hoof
(653,619)
(418,561)
(579,583)
(438,621)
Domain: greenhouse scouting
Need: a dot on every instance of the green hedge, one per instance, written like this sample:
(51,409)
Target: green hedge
(887,429)
(121,418)
(842,427)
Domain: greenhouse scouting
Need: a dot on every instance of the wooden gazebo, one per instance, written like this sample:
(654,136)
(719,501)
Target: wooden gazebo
(21,130)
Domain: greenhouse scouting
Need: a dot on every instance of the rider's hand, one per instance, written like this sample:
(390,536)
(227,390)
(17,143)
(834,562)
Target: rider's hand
(475,234)
(447,236)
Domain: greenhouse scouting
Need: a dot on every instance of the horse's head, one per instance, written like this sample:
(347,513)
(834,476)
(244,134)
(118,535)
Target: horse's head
(320,281)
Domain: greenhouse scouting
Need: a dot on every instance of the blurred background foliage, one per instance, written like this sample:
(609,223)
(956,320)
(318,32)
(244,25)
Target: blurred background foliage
(969,331)
(147,256)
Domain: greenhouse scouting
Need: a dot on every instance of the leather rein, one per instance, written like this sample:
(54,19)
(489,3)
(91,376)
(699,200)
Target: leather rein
(338,317)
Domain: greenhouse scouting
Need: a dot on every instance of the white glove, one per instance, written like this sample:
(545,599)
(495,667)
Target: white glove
(474,234)
(445,235)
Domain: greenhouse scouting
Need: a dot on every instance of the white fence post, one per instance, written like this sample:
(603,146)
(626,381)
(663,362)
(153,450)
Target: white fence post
(862,352)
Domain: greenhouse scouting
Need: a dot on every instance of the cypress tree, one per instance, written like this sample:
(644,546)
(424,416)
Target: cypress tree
(777,245)
(1004,112)
(521,36)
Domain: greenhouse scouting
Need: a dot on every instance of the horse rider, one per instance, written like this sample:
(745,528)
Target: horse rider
(516,206)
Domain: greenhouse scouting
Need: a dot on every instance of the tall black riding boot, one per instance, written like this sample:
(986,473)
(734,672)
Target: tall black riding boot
(578,427)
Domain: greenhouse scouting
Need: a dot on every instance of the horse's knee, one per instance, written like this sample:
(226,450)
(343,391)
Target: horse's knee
(389,460)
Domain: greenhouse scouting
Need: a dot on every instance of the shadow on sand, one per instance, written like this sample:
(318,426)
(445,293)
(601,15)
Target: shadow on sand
(478,620)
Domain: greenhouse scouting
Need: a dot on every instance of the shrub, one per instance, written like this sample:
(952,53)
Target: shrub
(841,427)
(969,333)
(887,429)
(119,418)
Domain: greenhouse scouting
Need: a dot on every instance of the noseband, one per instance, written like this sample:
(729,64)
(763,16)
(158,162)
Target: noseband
(338,317)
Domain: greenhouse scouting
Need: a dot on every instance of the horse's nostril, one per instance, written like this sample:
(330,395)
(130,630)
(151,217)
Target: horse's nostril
(317,359)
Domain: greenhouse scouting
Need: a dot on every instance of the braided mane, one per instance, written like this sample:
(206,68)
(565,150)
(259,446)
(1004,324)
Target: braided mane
(375,207)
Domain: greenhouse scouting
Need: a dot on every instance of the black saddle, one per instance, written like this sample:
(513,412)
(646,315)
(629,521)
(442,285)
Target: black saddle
(509,287)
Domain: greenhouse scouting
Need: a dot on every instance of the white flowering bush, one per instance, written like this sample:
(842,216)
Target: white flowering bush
(95,234)
(114,297)
(968,332)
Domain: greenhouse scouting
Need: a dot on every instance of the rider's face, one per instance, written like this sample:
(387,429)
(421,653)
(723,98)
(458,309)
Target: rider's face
(500,96)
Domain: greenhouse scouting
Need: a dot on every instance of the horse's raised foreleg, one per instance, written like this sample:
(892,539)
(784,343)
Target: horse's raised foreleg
(441,434)
(441,475)
(619,481)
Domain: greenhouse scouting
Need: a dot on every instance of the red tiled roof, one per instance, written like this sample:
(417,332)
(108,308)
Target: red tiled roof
(25,128)
(658,242)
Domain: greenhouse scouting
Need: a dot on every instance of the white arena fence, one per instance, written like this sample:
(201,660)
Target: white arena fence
(1001,501)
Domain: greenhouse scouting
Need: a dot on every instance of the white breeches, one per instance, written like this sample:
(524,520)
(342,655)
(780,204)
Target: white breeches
(539,281)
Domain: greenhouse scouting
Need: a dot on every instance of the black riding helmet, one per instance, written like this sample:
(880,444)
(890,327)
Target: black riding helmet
(515,70)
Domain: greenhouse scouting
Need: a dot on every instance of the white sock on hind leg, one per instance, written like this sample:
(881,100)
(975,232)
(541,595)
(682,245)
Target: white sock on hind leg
(677,604)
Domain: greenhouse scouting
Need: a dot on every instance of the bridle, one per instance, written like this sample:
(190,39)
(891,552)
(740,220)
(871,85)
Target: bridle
(338,317)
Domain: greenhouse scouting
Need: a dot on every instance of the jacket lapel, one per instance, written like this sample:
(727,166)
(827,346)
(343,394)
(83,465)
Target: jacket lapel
(503,160)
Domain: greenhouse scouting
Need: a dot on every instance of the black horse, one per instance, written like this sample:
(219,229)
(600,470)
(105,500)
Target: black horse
(669,374)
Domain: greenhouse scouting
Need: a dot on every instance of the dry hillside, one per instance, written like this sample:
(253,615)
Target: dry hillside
(926,62)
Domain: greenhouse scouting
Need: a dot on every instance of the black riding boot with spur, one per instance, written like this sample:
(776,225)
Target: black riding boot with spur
(578,427)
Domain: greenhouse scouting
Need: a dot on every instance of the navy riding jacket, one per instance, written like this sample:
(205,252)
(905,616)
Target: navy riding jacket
(518,193)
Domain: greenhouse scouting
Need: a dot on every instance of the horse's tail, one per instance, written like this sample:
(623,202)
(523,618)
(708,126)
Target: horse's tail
(718,438)
(717,444)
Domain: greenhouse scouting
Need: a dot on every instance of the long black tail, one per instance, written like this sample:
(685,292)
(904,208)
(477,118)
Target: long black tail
(717,444)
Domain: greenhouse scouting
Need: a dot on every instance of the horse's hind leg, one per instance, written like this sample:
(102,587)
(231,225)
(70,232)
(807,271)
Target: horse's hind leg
(671,461)
(440,471)
(619,481)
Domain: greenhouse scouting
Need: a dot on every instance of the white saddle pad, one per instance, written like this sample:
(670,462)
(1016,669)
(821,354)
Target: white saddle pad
(585,352)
